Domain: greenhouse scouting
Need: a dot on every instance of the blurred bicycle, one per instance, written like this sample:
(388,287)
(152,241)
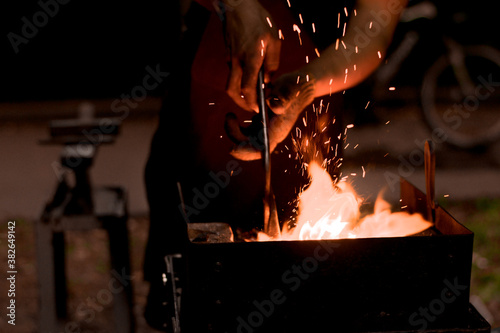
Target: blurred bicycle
(460,91)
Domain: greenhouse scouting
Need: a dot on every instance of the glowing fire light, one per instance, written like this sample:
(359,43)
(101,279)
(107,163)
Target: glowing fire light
(331,211)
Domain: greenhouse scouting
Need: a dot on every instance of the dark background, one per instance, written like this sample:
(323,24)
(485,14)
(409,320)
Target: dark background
(99,49)
(89,49)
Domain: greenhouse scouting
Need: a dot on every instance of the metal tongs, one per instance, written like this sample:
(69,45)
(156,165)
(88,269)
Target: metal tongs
(271,223)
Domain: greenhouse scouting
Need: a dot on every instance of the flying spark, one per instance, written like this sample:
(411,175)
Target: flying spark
(269,21)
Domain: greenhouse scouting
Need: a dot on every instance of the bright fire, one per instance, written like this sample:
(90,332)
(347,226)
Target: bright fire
(332,211)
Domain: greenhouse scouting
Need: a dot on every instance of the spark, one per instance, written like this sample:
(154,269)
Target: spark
(296,28)
(354,66)
(288,2)
(446,195)
(356,146)
(307,59)
(379,54)
(301,20)
(387,122)
(317,52)
(371,25)
(356,49)
(269,21)
(392,88)
(313,27)
(345,11)
(211,103)
(280,35)
(343,44)
(366,107)
(350,126)
(307,77)
(338,21)
(364,173)
(404,207)
(355,13)
(343,32)
(337,44)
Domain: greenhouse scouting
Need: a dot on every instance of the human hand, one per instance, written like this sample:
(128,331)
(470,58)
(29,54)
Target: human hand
(287,97)
(252,44)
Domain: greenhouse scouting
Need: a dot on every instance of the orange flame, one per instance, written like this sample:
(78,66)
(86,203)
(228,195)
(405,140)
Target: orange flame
(329,211)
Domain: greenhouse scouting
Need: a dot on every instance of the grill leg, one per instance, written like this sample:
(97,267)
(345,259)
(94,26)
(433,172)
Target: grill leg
(121,285)
(46,246)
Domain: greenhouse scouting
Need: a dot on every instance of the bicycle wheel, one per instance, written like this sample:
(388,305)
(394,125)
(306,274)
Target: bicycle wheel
(466,113)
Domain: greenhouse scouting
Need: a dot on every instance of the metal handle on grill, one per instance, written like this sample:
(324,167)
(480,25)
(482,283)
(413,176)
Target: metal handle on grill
(430,171)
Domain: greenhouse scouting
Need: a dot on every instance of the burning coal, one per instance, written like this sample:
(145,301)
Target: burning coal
(329,210)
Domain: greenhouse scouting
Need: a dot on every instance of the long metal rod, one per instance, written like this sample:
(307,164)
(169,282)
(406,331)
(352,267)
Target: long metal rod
(271,224)
(265,119)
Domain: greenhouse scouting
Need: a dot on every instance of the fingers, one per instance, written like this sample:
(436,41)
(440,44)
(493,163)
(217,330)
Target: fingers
(246,152)
(242,82)
(233,88)
(249,143)
(244,71)
(272,59)
(249,79)
(280,93)
(233,129)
